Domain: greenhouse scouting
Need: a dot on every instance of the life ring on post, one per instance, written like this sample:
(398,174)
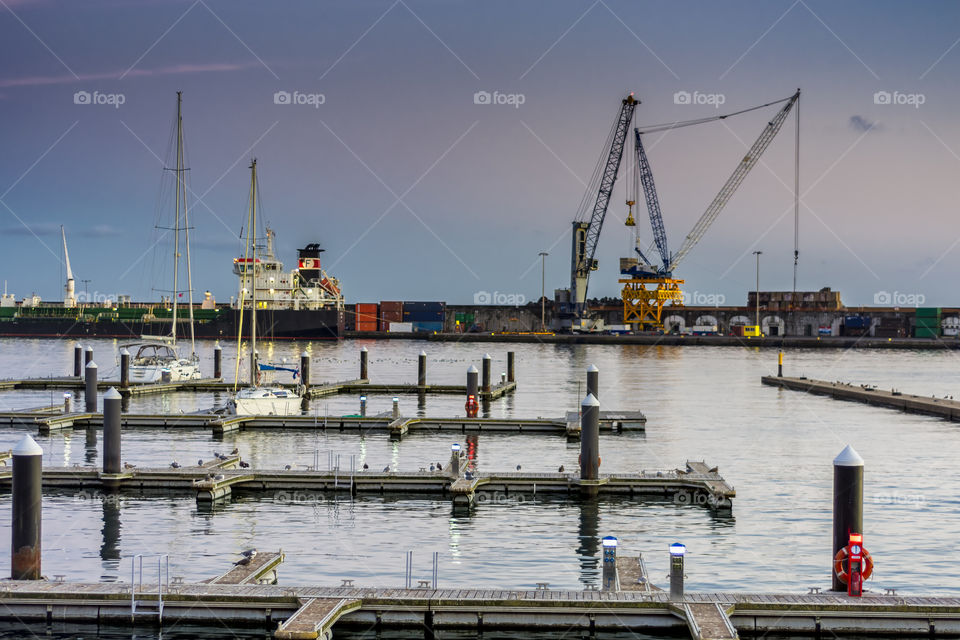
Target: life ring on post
(840,564)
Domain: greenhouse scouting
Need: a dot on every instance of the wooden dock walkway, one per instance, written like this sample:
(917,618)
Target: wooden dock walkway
(359,385)
(217,479)
(610,422)
(315,618)
(38,602)
(941,407)
(262,569)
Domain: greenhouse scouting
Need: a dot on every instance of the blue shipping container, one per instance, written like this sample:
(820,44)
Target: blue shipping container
(427,327)
(422,316)
(436,307)
(856,322)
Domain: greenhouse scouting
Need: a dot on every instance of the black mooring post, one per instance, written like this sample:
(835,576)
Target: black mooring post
(847,504)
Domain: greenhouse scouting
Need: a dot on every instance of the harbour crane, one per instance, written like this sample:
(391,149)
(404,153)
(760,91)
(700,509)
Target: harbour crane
(643,305)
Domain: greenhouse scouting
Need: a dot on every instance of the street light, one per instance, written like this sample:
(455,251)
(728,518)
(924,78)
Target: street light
(543,297)
(758,253)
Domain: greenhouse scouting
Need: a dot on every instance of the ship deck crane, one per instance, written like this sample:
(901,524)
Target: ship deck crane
(650,287)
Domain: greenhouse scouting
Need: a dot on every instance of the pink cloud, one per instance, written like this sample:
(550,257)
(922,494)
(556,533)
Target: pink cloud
(34,81)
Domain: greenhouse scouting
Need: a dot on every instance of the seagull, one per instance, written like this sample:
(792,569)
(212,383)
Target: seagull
(244,561)
(127,465)
(249,553)
(386,469)
(216,454)
(365,466)
(235,452)
(432,468)
(468,475)
(439,468)
(518,467)
(244,465)
(561,469)
(200,462)
(286,467)
(219,477)
(175,465)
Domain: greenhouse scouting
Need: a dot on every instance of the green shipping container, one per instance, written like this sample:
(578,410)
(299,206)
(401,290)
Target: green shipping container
(922,332)
(928,312)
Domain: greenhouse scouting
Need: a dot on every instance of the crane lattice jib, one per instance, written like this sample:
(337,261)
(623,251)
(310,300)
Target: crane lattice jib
(607,180)
(653,203)
(748,162)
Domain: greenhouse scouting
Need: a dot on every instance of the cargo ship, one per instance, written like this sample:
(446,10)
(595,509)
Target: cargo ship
(303,303)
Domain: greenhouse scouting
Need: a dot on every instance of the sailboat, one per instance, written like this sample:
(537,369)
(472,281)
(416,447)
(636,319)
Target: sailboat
(156,358)
(259,398)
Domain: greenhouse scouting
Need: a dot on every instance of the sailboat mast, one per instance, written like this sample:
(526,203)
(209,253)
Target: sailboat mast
(186,234)
(176,217)
(253,242)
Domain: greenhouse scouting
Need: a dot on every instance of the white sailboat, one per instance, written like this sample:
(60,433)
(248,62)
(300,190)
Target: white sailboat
(153,357)
(260,398)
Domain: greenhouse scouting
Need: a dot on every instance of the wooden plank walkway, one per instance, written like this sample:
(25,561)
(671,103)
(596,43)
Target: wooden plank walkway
(216,479)
(945,408)
(707,620)
(632,574)
(315,618)
(262,564)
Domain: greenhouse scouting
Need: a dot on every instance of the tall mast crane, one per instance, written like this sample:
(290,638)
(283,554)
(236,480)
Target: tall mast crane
(586,231)
(644,306)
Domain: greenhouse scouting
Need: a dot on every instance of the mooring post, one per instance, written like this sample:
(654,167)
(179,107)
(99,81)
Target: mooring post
(780,365)
(485,368)
(111,431)
(511,370)
(396,407)
(422,369)
(305,369)
(610,581)
(454,465)
(90,390)
(124,368)
(77,360)
(254,369)
(363,406)
(88,356)
(590,438)
(27,504)
(217,361)
(593,381)
(363,364)
(67,402)
(677,551)
(847,504)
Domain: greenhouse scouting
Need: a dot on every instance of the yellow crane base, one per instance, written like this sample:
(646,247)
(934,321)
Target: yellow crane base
(645,298)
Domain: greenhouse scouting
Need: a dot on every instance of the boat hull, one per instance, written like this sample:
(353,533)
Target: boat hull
(285,324)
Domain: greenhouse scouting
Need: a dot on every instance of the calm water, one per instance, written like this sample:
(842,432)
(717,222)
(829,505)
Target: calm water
(774,446)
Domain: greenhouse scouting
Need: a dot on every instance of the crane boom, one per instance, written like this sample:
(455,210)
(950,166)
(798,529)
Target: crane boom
(587,235)
(653,203)
(734,181)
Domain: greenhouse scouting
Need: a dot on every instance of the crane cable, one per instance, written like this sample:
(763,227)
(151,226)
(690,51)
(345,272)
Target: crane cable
(689,123)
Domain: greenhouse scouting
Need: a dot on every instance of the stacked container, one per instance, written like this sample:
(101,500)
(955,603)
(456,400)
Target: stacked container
(390,312)
(367,316)
(424,316)
(927,322)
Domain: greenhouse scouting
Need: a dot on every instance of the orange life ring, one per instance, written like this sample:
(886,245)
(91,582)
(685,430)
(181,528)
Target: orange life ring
(840,564)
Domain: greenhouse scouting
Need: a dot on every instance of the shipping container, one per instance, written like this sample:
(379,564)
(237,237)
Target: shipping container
(736,329)
(391,307)
(390,312)
(704,329)
(422,316)
(922,332)
(427,327)
(928,312)
(401,327)
(367,312)
(856,322)
(424,306)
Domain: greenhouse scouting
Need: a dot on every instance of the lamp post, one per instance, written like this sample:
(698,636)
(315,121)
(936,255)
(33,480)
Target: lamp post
(543,281)
(757,253)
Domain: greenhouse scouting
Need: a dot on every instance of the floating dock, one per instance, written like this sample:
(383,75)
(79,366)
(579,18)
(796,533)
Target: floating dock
(45,423)
(311,612)
(218,479)
(945,408)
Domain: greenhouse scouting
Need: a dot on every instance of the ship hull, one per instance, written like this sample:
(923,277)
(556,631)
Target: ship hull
(285,324)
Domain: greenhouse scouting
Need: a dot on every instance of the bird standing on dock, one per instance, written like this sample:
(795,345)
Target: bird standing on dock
(127,465)
(439,468)
(386,469)
(200,462)
(244,465)
(248,556)
(287,467)
(235,452)
(432,468)
(518,467)
(219,477)
(174,465)
(561,469)
(365,466)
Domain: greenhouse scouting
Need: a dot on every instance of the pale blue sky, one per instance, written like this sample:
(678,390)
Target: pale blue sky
(482,188)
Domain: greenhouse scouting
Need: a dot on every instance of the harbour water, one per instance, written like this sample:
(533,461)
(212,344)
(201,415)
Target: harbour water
(774,446)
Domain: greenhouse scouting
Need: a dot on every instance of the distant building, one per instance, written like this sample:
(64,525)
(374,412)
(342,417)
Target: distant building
(786,300)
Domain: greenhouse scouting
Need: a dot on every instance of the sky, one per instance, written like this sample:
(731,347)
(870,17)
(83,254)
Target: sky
(373,137)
